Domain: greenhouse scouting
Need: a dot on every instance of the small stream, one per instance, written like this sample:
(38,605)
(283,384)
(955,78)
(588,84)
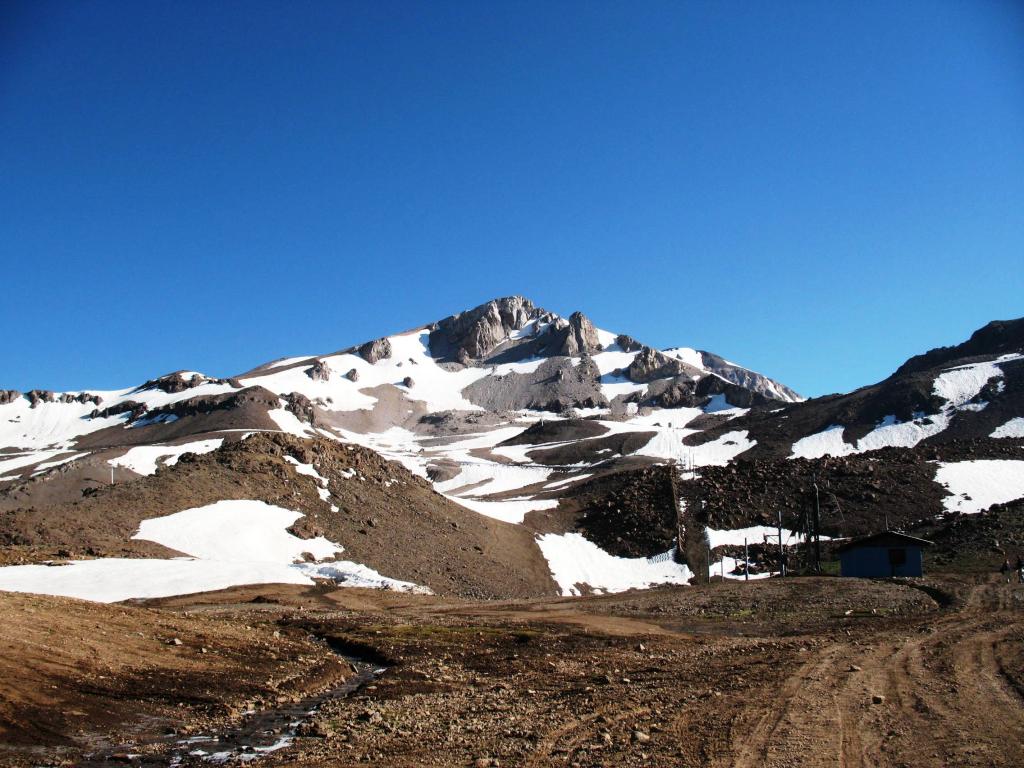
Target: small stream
(258,733)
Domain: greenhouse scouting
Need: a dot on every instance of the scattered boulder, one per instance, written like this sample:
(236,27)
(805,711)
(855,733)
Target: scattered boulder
(408,382)
(373,351)
(352,375)
(319,371)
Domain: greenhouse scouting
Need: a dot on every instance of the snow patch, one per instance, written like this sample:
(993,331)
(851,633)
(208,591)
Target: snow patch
(575,560)
(143,458)
(977,485)
(1012,428)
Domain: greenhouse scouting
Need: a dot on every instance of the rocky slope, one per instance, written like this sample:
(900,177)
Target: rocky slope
(502,451)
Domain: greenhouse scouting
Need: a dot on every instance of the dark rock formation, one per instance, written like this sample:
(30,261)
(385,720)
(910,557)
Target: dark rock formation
(319,371)
(8,396)
(301,406)
(628,343)
(557,431)
(408,382)
(631,513)
(37,396)
(352,375)
(372,351)
(132,407)
(996,338)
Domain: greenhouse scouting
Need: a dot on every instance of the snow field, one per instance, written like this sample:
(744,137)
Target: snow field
(230,543)
(977,485)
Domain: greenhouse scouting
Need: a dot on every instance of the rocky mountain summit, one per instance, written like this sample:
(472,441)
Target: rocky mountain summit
(586,451)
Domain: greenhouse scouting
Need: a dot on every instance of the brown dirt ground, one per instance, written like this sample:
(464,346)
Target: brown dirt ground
(810,672)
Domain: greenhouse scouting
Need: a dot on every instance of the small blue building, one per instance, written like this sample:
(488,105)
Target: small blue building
(882,556)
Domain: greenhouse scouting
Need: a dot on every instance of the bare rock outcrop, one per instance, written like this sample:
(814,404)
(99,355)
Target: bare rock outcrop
(37,396)
(8,396)
(650,364)
(352,375)
(176,382)
(628,343)
(475,333)
(319,371)
(301,406)
(577,336)
(373,351)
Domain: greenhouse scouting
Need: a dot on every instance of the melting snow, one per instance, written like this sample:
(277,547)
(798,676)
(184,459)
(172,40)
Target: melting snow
(143,458)
(977,485)
(1012,428)
(508,511)
(958,386)
(575,560)
(232,542)
(754,535)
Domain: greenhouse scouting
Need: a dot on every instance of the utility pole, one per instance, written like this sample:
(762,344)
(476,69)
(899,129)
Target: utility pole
(111,474)
(746,561)
(817,524)
(782,549)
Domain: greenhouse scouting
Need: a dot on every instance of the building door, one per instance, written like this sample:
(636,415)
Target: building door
(897,557)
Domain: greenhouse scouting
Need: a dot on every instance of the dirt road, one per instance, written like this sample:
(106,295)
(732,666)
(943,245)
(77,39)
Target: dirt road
(933,693)
(796,672)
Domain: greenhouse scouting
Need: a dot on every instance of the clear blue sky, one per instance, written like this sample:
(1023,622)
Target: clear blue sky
(816,190)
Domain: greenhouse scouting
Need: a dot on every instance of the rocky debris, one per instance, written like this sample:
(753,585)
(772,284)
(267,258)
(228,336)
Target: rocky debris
(408,382)
(650,364)
(319,371)
(373,351)
(442,470)
(977,542)
(301,406)
(857,494)
(251,403)
(631,513)
(8,396)
(352,375)
(591,450)
(445,423)
(557,385)
(475,333)
(557,431)
(628,343)
(685,392)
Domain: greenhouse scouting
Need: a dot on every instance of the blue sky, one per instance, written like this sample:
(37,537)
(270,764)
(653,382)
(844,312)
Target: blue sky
(814,190)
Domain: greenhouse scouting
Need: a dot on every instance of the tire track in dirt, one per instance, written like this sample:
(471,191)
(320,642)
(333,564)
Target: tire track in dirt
(929,693)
